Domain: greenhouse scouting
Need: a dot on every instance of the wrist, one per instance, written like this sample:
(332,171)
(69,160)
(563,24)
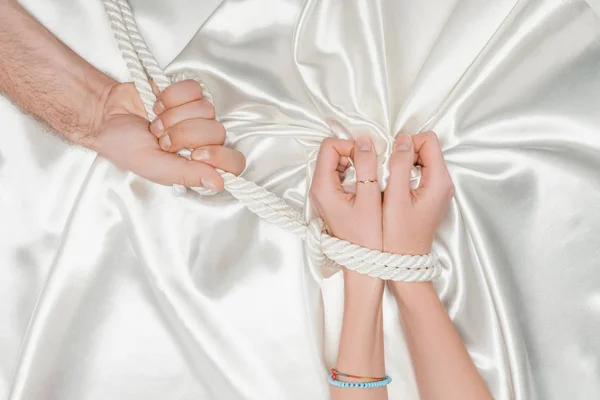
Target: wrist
(92,111)
(410,246)
(409,294)
(362,291)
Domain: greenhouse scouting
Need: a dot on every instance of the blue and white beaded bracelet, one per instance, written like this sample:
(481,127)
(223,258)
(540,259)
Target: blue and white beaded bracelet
(360,385)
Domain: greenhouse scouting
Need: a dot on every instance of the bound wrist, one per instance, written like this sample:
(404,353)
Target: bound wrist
(408,246)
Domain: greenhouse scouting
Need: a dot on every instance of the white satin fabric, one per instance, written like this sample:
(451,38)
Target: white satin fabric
(111,288)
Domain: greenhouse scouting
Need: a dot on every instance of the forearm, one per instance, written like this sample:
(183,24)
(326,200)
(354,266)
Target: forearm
(47,79)
(443,366)
(361,350)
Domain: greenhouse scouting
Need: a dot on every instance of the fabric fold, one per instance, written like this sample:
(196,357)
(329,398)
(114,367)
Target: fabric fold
(110,287)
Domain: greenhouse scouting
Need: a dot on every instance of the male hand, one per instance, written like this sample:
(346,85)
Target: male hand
(185,120)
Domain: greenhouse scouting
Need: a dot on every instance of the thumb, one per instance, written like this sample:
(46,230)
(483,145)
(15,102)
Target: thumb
(368,193)
(401,164)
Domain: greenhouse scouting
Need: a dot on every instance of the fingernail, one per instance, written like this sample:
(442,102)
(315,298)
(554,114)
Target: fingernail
(200,155)
(403,142)
(209,184)
(165,142)
(159,107)
(364,144)
(157,126)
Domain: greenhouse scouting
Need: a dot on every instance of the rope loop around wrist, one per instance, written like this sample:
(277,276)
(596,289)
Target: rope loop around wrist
(330,252)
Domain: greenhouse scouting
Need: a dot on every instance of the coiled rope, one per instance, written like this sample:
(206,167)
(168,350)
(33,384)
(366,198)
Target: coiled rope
(324,250)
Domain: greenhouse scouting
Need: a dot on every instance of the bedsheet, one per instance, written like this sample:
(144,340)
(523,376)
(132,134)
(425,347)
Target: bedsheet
(112,288)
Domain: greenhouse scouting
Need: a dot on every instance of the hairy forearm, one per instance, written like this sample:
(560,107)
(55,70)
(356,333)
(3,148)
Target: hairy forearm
(443,367)
(361,350)
(47,79)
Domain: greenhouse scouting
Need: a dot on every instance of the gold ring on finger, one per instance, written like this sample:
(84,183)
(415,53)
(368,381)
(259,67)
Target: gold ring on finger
(368,181)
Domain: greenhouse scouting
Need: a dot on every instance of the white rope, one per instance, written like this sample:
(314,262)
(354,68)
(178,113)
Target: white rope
(324,250)
(142,50)
(129,54)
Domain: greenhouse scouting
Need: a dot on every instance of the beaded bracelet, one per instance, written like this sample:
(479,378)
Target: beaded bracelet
(360,385)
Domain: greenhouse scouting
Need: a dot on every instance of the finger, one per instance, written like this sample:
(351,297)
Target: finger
(168,169)
(368,193)
(172,116)
(177,94)
(428,154)
(193,133)
(344,164)
(155,88)
(326,178)
(341,169)
(401,164)
(222,157)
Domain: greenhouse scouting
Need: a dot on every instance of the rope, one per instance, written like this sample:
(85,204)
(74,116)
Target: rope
(324,250)
(129,54)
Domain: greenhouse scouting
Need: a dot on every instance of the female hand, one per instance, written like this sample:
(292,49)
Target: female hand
(411,217)
(352,217)
(185,120)
(356,218)
(442,364)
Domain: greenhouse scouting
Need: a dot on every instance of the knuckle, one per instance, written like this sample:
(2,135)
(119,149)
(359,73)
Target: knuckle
(396,161)
(241,162)
(178,134)
(168,118)
(166,95)
(430,136)
(176,131)
(219,131)
(197,108)
(185,89)
(446,188)
(193,87)
(188,175)
(328,142)
(208,109)
(229,160)
(365,168)
(316,188)
(183,180)
(172,117)
(316,202)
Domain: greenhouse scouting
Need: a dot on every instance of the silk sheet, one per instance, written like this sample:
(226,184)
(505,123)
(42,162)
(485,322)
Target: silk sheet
(112,288)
